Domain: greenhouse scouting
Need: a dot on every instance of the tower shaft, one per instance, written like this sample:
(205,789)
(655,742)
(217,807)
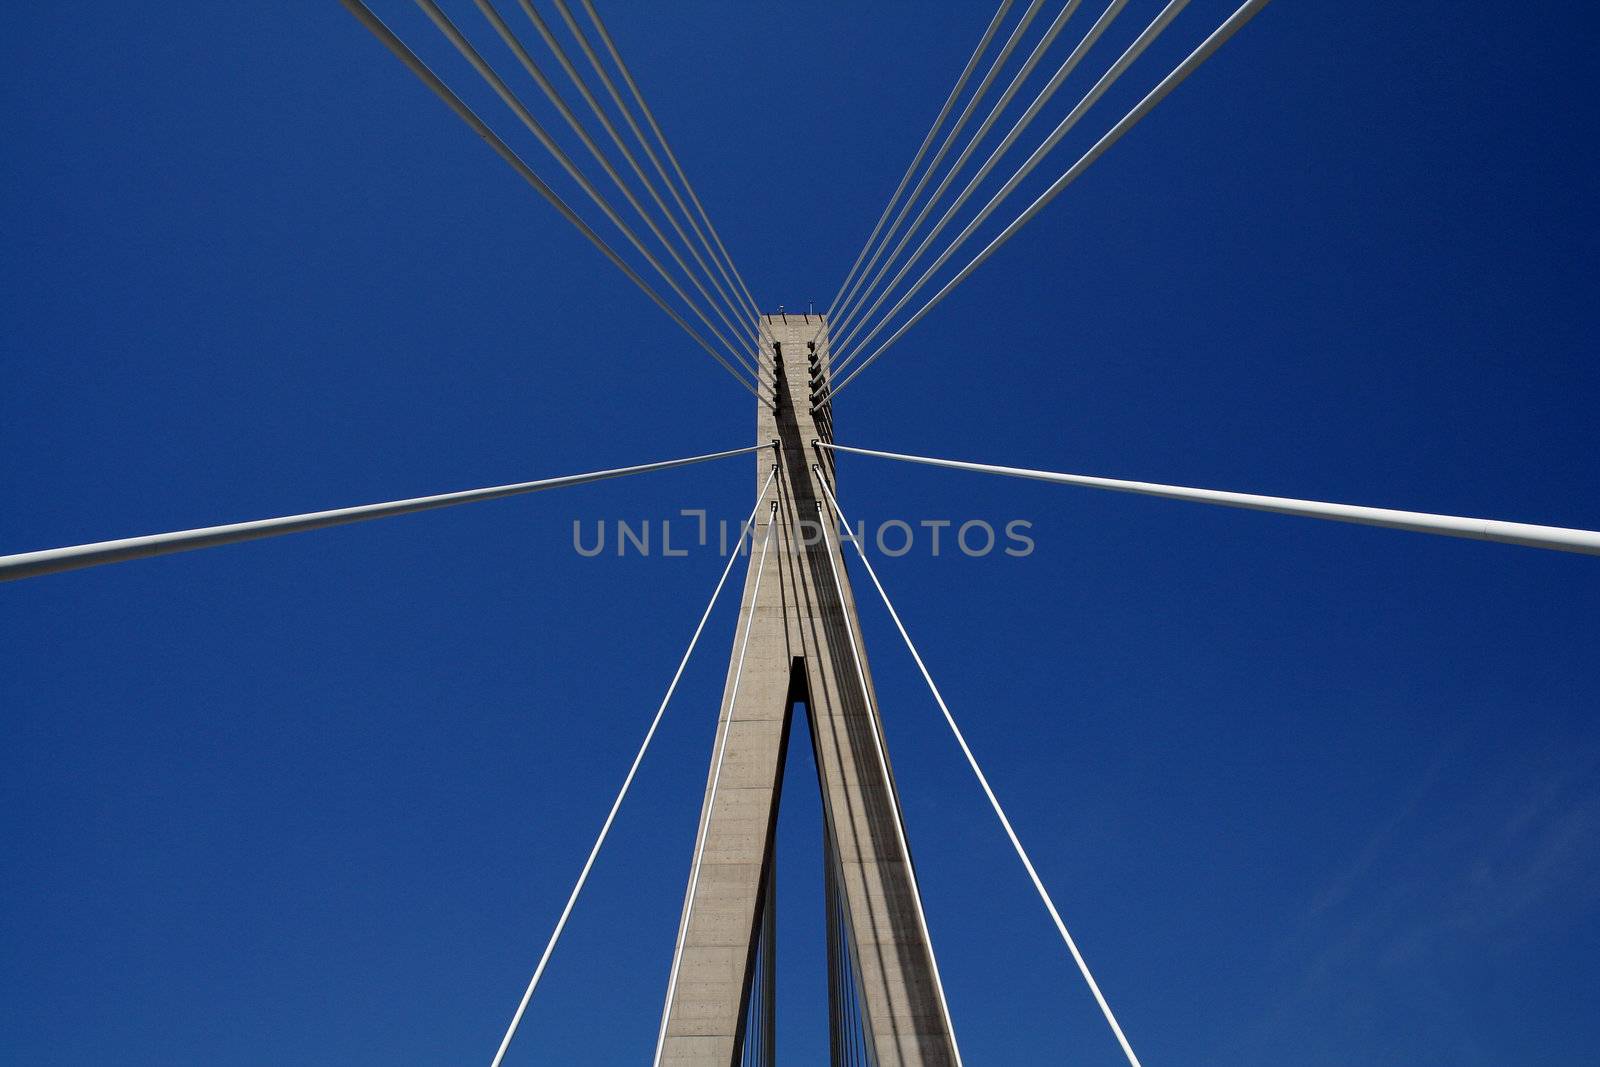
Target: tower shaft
(801,650)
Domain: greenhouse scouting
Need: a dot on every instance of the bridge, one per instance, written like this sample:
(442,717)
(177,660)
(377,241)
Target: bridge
(798,667)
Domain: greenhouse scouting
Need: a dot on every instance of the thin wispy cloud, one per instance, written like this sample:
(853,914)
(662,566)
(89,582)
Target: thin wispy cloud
(1485,854)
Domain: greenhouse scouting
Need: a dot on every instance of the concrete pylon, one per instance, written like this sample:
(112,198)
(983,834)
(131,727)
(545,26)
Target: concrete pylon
(800,652)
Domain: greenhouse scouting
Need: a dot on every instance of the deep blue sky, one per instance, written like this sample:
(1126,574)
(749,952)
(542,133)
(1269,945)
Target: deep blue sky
(1306,793)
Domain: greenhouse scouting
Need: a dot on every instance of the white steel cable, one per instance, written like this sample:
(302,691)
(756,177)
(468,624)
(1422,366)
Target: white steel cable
(512,42)
(1147,37)
(387,37)
(627,782)
(1053,31)
(1012,40)
(711,799)
(1218,37)
(1561,539)
(53,560)
(453,34)
(666,146)
(994,802)
(842,297)
(876,723)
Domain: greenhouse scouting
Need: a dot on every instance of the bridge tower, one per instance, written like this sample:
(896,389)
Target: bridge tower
(804,647)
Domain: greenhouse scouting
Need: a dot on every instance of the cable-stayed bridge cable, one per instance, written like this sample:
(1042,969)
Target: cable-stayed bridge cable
(666,146)
(1039,49)
(512,42)
(1559,538)
(994,802)
(1218,37)
(53,560)
(424,74)
(609,84)
(1040,99)
(1146,37)
(846,291)
(999,61)
(1057,25)
(627,782)
(559,51)
(724,728)
(458,40)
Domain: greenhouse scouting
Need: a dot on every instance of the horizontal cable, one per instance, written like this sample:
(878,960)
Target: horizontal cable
(846,291)
(1232,25)
(53,560)
(627,782)
(994,802)
(385,35)
(1559,538)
